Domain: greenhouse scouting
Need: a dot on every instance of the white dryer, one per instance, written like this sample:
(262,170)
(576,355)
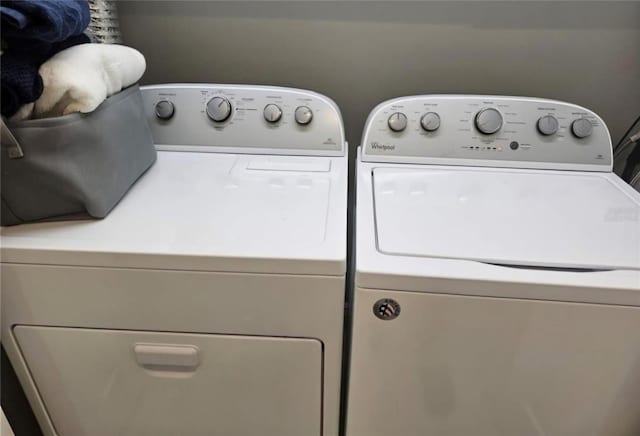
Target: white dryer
(211,300)
(497,278)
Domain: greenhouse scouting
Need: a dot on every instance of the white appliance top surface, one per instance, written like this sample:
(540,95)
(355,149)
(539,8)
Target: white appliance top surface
(210,212)
(532,218)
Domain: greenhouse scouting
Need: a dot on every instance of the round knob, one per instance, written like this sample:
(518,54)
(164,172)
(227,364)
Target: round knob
(548,125)
(164,109)
(430,122)
(303,115)
(219,109)
(488,121)
(581,128)
(397,122)
(272,113)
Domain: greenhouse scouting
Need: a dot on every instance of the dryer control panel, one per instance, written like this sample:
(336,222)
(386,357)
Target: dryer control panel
(492,131)
(243,119)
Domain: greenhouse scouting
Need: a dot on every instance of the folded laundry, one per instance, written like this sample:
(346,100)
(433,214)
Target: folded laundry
(79,78)
(19,76)
(44,20)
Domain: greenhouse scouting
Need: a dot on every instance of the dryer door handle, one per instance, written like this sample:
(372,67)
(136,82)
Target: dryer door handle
(167,356)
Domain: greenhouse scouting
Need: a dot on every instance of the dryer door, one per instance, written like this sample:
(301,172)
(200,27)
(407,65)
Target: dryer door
(106,382)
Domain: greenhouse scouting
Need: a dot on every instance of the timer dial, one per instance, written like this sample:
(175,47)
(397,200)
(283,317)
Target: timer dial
(219,109)
(488,121)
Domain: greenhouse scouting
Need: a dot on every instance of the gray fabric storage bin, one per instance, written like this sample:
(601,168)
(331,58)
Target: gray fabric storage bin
(77,165)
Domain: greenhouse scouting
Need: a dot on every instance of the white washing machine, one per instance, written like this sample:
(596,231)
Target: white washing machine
(210,301)
(497,283)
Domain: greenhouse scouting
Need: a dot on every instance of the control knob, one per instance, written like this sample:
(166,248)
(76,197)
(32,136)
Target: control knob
(165,109)
(548,125)
(430,122)
(219,109)
(303,115)
(488,121)
(272,113)
(581,128)
(397,122)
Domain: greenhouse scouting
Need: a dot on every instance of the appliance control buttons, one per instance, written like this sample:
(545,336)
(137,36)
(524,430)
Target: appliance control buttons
(430,122)
(219,109)
(581,128)
(165,109)
(548,125)
(272,113)
(488,121)
(303,115)
(397,122)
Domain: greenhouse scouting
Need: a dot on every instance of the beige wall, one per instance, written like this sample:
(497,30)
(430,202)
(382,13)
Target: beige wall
(360,53)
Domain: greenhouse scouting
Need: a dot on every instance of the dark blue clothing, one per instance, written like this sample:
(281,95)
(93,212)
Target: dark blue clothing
(43,20)
(32,32)
(21,83)
(19,76)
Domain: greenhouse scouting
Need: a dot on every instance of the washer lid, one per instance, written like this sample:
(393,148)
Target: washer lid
(208,212)
(513,217)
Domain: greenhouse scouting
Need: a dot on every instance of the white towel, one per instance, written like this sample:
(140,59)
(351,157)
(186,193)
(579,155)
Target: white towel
(81,77)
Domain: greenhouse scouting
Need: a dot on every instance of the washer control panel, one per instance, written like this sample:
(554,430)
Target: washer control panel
(243,119)
(480,130)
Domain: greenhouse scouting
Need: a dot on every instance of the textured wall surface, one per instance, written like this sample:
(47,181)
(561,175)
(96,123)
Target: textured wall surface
(360,53)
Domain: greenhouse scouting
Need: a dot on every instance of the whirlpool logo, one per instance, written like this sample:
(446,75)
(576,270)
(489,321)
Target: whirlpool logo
(386,309)
(382,147)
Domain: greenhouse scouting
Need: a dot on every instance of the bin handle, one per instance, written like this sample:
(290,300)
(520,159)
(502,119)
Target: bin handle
(167,357)
(9,142)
